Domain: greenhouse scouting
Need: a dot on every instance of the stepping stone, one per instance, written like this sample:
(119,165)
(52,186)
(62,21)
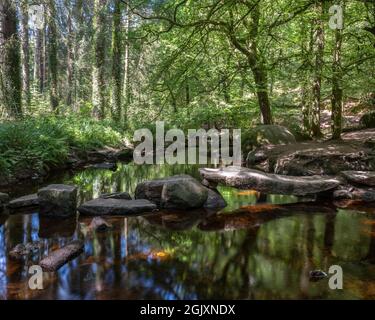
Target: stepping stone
(30,200)
(115,207)
(58,200)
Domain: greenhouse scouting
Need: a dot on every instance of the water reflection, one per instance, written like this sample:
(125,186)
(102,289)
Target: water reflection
(238,253)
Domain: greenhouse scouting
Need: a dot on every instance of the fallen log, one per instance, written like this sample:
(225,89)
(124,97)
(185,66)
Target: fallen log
(244,178)
(56,259)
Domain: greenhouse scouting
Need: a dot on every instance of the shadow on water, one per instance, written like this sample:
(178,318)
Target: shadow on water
(241,252)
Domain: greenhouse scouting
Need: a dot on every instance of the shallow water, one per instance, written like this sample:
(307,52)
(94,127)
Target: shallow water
(193,255)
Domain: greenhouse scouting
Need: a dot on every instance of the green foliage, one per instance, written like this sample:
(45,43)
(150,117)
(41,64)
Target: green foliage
(44,142)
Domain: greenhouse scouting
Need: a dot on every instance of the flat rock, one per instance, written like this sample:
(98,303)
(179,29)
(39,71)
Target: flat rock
(116,195)
(177,192)
(30,200)
(114,207)
(56,259)
(361,177)
(243,178)
(58,200)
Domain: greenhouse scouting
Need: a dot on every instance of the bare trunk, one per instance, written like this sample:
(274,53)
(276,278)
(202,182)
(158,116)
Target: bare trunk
(337,91)
(10,60)
(52,37)
(319,61)
(126,62)
(70,59)
(25,53)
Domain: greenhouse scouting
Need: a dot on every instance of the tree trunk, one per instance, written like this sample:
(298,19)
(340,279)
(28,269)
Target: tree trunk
(337,90)
(98,91)
(11,64)
(319,61)
(78,36)
(70,58)
(25,53)
(256,63)
(117,62)
(52,55)
(126,59)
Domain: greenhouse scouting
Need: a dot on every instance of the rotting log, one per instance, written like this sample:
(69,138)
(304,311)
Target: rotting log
(56,259)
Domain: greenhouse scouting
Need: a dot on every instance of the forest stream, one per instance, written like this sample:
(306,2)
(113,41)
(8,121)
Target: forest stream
(179,255)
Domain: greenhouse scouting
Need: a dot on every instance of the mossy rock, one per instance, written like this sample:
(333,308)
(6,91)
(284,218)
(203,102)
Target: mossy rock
(368,120)
(267,135)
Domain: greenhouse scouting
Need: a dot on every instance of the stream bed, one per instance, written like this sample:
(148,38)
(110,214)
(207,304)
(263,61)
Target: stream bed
(171,255)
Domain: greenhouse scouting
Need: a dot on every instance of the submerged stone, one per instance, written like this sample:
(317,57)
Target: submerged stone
(98,224)
(317,275)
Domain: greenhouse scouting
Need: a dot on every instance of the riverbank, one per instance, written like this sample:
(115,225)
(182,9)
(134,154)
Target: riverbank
(32,148)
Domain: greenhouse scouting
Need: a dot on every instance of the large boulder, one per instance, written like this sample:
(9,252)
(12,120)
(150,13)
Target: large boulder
(368,120)
(312,158)
(267,135)
(4,199)
(177,192)
(114,207)
(30,200)
(360,177)
(58,200)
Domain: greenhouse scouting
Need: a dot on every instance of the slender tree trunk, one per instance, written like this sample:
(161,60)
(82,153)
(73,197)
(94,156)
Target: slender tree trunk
(337,90)
(11,62)
(70,57)
(98,90)
(78,36)
(126,61)
(187,93)
(25,53)
(319,61)
(39,59)
(116,63)
(52,56)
